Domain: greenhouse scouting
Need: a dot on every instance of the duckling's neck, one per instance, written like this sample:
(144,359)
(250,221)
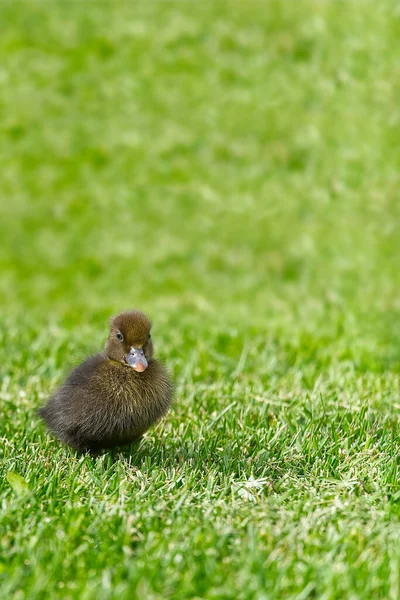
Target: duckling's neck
(117,363)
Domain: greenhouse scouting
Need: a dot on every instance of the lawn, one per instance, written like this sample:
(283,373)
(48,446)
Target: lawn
(233,169)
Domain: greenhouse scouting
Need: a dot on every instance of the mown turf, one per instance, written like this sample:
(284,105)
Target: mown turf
(232,168)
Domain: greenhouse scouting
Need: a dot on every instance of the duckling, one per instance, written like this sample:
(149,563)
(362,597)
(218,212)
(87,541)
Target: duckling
(112,398)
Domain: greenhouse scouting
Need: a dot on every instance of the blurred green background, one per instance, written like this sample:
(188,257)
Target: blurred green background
(231,168)
(211,161)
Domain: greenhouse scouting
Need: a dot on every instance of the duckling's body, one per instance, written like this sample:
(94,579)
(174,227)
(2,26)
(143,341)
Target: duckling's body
(112,398)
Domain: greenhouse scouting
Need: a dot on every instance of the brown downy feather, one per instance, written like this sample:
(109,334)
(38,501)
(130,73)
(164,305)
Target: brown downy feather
(104,402)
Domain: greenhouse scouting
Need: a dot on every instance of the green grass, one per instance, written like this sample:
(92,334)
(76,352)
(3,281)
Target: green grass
(233,169)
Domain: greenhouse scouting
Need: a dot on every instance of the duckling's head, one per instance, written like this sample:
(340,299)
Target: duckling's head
(129,341)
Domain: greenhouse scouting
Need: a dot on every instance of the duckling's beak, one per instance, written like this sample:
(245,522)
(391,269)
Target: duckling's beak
(137,360)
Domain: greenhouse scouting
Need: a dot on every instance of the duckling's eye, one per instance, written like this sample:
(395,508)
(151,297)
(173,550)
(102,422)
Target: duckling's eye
(119,336)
